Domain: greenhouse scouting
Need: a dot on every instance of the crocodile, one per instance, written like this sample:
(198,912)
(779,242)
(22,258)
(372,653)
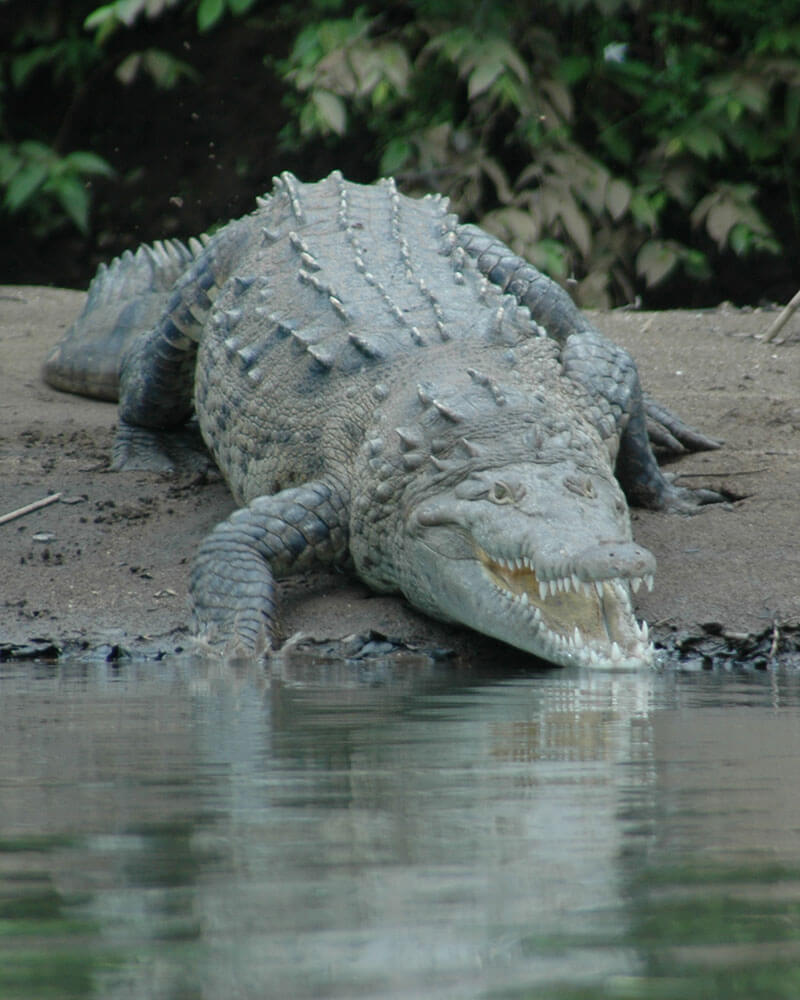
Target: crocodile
(388,390)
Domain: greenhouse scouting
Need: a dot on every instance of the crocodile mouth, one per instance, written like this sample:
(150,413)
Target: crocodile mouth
(588,622)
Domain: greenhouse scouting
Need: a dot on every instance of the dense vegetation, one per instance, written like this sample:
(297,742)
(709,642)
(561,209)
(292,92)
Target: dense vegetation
(631,149)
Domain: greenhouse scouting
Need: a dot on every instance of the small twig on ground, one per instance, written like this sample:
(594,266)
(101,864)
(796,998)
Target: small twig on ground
(783,319)
(12,515)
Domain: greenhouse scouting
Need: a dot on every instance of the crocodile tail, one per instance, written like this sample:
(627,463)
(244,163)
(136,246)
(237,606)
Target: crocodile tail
(125,299)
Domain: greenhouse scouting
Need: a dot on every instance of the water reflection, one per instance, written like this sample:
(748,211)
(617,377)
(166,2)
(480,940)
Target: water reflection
(171,830)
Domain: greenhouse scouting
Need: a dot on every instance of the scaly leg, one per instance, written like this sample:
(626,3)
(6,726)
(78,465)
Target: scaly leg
(232,587)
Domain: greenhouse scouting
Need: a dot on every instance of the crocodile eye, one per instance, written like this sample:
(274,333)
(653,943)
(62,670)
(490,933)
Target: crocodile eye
(501,492)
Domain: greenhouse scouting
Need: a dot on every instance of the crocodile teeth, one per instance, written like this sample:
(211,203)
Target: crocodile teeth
(568,630)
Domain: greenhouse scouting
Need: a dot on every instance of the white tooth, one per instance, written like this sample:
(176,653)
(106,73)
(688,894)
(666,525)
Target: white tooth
(543,589)
(524,597)
(576,583)
(644,632)
(636,582)
(649,581)
(616,652)
(577,638)
(598,586)
(587,589)
(554,587)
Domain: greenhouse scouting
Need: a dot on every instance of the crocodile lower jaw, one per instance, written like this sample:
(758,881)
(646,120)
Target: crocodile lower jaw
(569,620)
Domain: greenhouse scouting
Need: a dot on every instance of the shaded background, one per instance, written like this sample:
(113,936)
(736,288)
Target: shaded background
(700,102)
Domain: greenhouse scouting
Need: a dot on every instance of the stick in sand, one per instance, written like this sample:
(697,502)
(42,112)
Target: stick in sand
(12,515)
(783,319)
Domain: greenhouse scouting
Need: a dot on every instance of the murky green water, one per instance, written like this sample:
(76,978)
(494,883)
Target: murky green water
(167,832)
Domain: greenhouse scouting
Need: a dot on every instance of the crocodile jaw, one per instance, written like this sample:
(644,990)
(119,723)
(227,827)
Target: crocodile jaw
(567,619)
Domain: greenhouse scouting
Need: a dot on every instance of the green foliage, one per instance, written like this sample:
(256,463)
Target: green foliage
(613,147)
(36,177)
(612,142)
(125,13)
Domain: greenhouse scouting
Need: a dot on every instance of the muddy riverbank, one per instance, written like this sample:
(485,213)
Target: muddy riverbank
(107,564)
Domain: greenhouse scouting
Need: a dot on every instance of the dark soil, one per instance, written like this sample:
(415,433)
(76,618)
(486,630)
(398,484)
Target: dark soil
(106,567)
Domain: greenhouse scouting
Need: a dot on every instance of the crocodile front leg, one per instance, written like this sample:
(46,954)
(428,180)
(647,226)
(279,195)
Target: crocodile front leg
(232,586)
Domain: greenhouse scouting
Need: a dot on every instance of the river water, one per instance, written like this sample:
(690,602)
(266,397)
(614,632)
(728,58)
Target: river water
(174,831)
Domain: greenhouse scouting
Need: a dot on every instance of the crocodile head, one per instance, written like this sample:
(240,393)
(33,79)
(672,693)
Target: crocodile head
(539,555)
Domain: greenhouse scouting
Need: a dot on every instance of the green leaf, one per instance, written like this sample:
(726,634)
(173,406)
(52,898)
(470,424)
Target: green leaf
(23,65)
(721,218)
(164,69)
(74,199)
(128,11)
(208,13)
(395,156)
(10,162)
(574,68)
(331,111)
(396,66)
(644,210)
(618,198)
(100,17)
(560,97)
(704,142)
(33,150)
(89,163)
(695,263)
(655,260)
(741,238)
(735,108)
(128,69)
(576,224)
(24,184)
(482,77)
